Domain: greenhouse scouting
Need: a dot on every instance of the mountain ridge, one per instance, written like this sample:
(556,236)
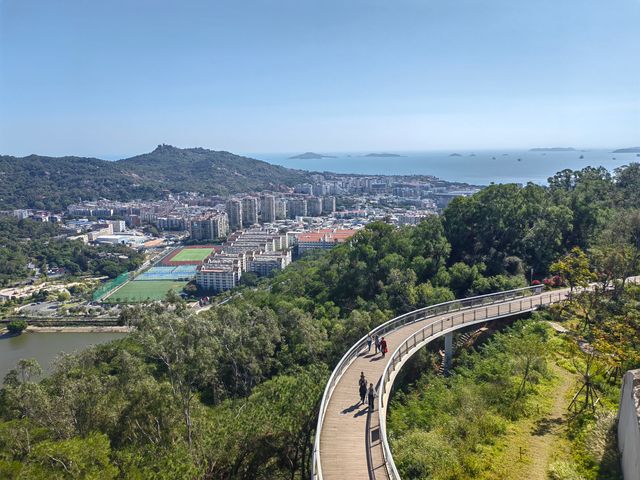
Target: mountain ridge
(44,182)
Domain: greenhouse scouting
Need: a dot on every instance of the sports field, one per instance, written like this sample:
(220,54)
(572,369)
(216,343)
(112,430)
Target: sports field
(139,291)
(191,254)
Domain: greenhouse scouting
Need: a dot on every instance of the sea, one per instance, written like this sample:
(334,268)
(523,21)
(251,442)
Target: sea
(477,167)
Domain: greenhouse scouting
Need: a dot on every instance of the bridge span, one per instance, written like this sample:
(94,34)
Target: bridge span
(350,443)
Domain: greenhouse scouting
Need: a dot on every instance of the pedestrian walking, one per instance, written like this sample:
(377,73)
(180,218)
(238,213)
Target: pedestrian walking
(369,340)
(383,346)
(372,396)
(363,392)
(377,342)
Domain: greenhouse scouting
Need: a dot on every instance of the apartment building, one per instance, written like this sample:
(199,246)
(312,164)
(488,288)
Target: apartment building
(265,263)
(281,209)
(249,211)
(314,207)
(209,227)
(328,205)
(234,211)
(268,208)
(297,207)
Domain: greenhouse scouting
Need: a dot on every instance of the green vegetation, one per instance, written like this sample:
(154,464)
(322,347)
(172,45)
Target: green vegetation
(445,428)
(192,254)
(25,241)
(53,183)
(233,392)
(16,327)
(140,291)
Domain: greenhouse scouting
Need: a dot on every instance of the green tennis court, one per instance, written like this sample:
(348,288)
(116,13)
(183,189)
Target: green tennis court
(139,291)
(192,254)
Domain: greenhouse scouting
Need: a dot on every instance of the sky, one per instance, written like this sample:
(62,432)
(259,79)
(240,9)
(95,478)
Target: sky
(116,78)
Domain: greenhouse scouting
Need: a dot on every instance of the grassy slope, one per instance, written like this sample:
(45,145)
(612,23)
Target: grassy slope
(534,443)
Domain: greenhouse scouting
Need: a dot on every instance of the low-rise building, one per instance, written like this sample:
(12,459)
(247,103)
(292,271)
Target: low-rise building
(220,272)
(265,263)
(322,239)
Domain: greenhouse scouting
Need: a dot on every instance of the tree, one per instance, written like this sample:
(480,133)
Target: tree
(186,348)
(250,279)
(574,268)
(190,288)
(16,327)
(86,458)
(529,352)
(63,296)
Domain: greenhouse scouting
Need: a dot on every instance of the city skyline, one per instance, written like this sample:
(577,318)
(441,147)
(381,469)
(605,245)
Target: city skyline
(113,80)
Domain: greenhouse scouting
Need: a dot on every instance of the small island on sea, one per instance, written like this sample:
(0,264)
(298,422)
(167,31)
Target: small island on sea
(553,149)
(627,150)
(455,155)
(382,155)
(310,156)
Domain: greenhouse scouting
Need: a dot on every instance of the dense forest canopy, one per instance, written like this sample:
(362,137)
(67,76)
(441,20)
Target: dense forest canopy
(233,392)
(53,183)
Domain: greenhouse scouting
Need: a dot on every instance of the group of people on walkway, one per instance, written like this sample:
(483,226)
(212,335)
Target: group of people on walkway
(380,344)
(369,394)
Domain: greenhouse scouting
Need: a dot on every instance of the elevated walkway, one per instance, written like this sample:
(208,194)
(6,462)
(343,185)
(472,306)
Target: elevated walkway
(351,444)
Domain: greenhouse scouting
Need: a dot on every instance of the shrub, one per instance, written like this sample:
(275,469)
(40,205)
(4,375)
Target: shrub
(17,326)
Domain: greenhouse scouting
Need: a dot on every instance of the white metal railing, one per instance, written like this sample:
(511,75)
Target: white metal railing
(393,324)
(434,330)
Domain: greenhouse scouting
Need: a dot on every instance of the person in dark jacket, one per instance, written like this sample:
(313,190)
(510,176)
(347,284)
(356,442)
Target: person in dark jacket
(383,347)
(369,340)
(372,397)
(363,391)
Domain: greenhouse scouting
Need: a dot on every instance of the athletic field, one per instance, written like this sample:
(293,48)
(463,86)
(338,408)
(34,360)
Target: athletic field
(140,290)
(188,254)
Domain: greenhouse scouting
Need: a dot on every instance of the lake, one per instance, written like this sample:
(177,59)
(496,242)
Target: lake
(44,347)
(479,167)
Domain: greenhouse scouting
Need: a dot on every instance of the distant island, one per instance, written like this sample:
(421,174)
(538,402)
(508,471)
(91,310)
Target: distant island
(455,155)
(628,150)
(310,156)
(553,149)
(382,155)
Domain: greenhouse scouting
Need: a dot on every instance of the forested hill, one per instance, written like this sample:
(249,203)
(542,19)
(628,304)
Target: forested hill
(54,182)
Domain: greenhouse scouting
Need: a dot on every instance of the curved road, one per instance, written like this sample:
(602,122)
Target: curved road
(351,444)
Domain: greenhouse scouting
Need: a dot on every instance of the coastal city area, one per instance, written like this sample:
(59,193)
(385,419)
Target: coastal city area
(198,246)
(337,240)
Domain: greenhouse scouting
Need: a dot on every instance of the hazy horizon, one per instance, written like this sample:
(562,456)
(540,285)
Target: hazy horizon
(354,152)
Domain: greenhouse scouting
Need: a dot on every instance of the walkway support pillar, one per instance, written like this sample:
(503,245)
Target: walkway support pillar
(448,351)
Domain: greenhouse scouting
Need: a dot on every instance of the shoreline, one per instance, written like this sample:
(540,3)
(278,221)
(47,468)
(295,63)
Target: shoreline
(87,329)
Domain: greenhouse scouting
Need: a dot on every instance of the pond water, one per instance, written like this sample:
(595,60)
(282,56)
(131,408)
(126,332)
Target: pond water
(45,347)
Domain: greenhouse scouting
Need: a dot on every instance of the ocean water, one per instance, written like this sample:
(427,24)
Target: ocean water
(474,167)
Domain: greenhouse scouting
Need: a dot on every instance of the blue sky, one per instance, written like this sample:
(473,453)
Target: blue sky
(115,78)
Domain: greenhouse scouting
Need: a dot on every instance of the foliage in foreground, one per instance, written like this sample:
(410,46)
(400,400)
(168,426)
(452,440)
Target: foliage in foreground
(440,428)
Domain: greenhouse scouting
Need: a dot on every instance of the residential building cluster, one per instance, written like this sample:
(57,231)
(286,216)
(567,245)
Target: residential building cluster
(256,250)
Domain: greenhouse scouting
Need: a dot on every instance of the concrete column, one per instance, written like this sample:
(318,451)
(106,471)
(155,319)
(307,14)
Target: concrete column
(448,351)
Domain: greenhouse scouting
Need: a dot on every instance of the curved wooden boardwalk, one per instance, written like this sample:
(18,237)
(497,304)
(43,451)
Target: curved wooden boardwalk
(350,442)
